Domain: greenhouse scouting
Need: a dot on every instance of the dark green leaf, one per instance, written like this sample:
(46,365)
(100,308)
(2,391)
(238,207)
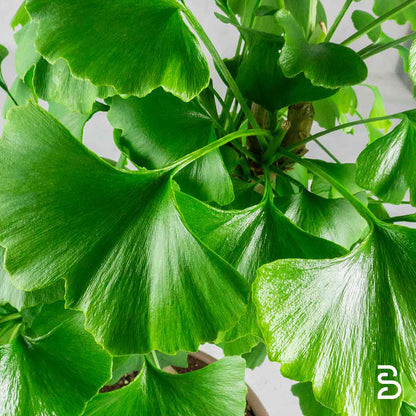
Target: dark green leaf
(53,375)
(408,15)
(159,129)
(125,364)
(266,84)
(308,404)
(256,356)
(359,307)
(216,389)
(115,44)
(386,167)
(326,64)
(3,55)
(321,217)
(143,280)
(407,410)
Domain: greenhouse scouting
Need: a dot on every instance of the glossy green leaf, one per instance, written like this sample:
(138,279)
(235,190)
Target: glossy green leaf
(326,64)
(408,15)
(344,173)
(407,410)
(72,120)
(216,389)
(159,129)
(125,364)
(332,219)
(142,279)
(21,299)
(359,307)
(248,239)
(51,375)
(386,167)
(267,85)
(95,35)
(412,62)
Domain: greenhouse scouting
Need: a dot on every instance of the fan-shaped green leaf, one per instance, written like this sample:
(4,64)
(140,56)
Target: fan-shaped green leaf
(133,46)
(248,239)
(143,280)
(52,375)
(159,129)
(326,64)
(386,166)
(332,219)
(216,389)
(21,17)
(360,308)
(408,15)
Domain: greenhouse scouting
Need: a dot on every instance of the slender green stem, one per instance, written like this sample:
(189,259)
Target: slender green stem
(3,86)
(288,177)
(402,218)
(244,151)
(313,5)
(186,160)
(14,333)
(193,21)
(401,7)
(344,126)
(314,168)
(327,151)
(338,20)
(121,161)
(224,107)
(375,49)
(12,317)
(155,360)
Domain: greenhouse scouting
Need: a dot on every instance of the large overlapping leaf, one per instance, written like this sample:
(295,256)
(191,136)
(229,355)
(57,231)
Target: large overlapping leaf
(333,322)
(133,46)
(386,166)
(143,280)
(326,64)
(217,389)
(382,7)
(248,239)
(21,299)
(159,129)
(332,219)
(266,84)
(55,374)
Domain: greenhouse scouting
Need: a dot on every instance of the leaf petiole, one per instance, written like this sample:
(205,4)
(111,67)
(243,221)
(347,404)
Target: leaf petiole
(338,20)
(12,317)
(405,5)
(375,49)
(156,360)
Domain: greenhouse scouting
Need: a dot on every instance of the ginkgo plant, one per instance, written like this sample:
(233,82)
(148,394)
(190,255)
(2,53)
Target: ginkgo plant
(213,225)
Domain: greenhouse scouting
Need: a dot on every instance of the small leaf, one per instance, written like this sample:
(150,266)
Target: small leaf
(326,64)
(216,389)
(51,375)
(159,129)
(358,307)
(256,356)
(21,299)
(362,19)
(321,217)
(92,36)
(308,404)
(115,236)
(412,62)
(21,17)
(124,364)
(408,15)
(20,92)
(386,167)
(3,55)
(378,110)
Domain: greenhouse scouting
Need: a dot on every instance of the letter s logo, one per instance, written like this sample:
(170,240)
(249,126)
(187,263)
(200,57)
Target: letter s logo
(383,378)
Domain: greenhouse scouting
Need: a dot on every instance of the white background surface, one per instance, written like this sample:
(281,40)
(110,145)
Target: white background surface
(270,386)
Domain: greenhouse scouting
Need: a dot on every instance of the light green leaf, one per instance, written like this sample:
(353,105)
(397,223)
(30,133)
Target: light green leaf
(21,17)
(248,239)
(326,64)
(159,129)
(3,55)
(344,173)
(408,15)
(386,167)
(51,375)
(362,19)
(378,110)
(412,62)
(125,364)
(74,121)
(321,217)
(359,307)
(20,92)
(216,389)
(26,54)
(335,110)
(116,237)
(124,37)
(267,85)
(178,360)
(21,299)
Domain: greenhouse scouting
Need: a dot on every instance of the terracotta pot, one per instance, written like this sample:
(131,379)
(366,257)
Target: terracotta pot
(253,401)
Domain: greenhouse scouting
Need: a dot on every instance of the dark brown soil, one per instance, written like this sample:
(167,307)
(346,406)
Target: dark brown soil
(193,365)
